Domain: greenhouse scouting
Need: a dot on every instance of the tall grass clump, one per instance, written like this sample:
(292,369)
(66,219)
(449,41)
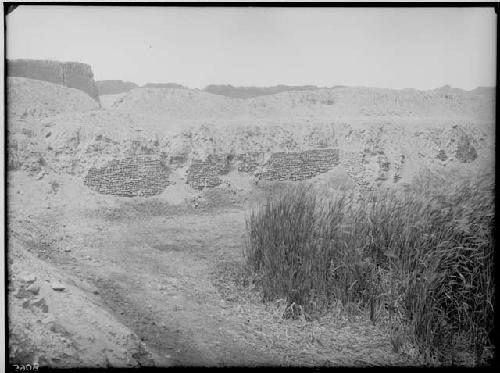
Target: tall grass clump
(282,247)
(423,257)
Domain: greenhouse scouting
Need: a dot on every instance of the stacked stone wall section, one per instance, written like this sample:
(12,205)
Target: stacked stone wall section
(205,173)
(129,177)
(296,166)
(249,162)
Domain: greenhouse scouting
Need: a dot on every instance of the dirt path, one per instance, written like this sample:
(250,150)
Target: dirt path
(154,272)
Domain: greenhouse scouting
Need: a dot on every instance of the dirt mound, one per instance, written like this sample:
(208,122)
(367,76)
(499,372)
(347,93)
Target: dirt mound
(108,100)
(321,103)
(36,99)
(56,320)
(177,103)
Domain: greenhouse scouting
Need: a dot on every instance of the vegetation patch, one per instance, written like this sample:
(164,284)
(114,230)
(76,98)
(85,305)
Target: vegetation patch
(419,260)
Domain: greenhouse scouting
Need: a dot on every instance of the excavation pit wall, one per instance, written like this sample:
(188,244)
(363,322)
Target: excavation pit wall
(144,176)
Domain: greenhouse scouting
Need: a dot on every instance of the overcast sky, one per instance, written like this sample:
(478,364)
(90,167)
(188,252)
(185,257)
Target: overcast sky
(421,48)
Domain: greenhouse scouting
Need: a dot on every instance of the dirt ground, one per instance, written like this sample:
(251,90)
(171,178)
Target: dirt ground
(150,283)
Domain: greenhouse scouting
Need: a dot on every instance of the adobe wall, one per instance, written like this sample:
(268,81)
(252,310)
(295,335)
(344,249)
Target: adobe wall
(49,71)
(69,74)
(80,76)
(129,177)
(295,166)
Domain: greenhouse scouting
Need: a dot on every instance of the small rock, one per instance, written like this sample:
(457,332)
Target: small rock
(27,278)
(57,328)
(48,319)
(34,289)
(58,286)
(95,292)
(40,303)
(22,293)
(67,249)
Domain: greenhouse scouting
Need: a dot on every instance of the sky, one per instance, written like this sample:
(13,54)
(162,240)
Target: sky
(421,48)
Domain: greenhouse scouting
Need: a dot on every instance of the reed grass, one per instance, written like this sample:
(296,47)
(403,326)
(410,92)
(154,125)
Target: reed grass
(422,258)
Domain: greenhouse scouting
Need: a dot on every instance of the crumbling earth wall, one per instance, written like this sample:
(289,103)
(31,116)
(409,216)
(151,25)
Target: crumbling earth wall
(129,177)
(69,74)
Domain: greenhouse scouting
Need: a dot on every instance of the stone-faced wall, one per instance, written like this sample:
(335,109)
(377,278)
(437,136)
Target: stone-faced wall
(248,162)
(129,177)
(205,173)
(69,74)
(294,166)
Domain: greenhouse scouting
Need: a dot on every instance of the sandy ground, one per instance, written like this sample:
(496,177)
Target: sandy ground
(148,282)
